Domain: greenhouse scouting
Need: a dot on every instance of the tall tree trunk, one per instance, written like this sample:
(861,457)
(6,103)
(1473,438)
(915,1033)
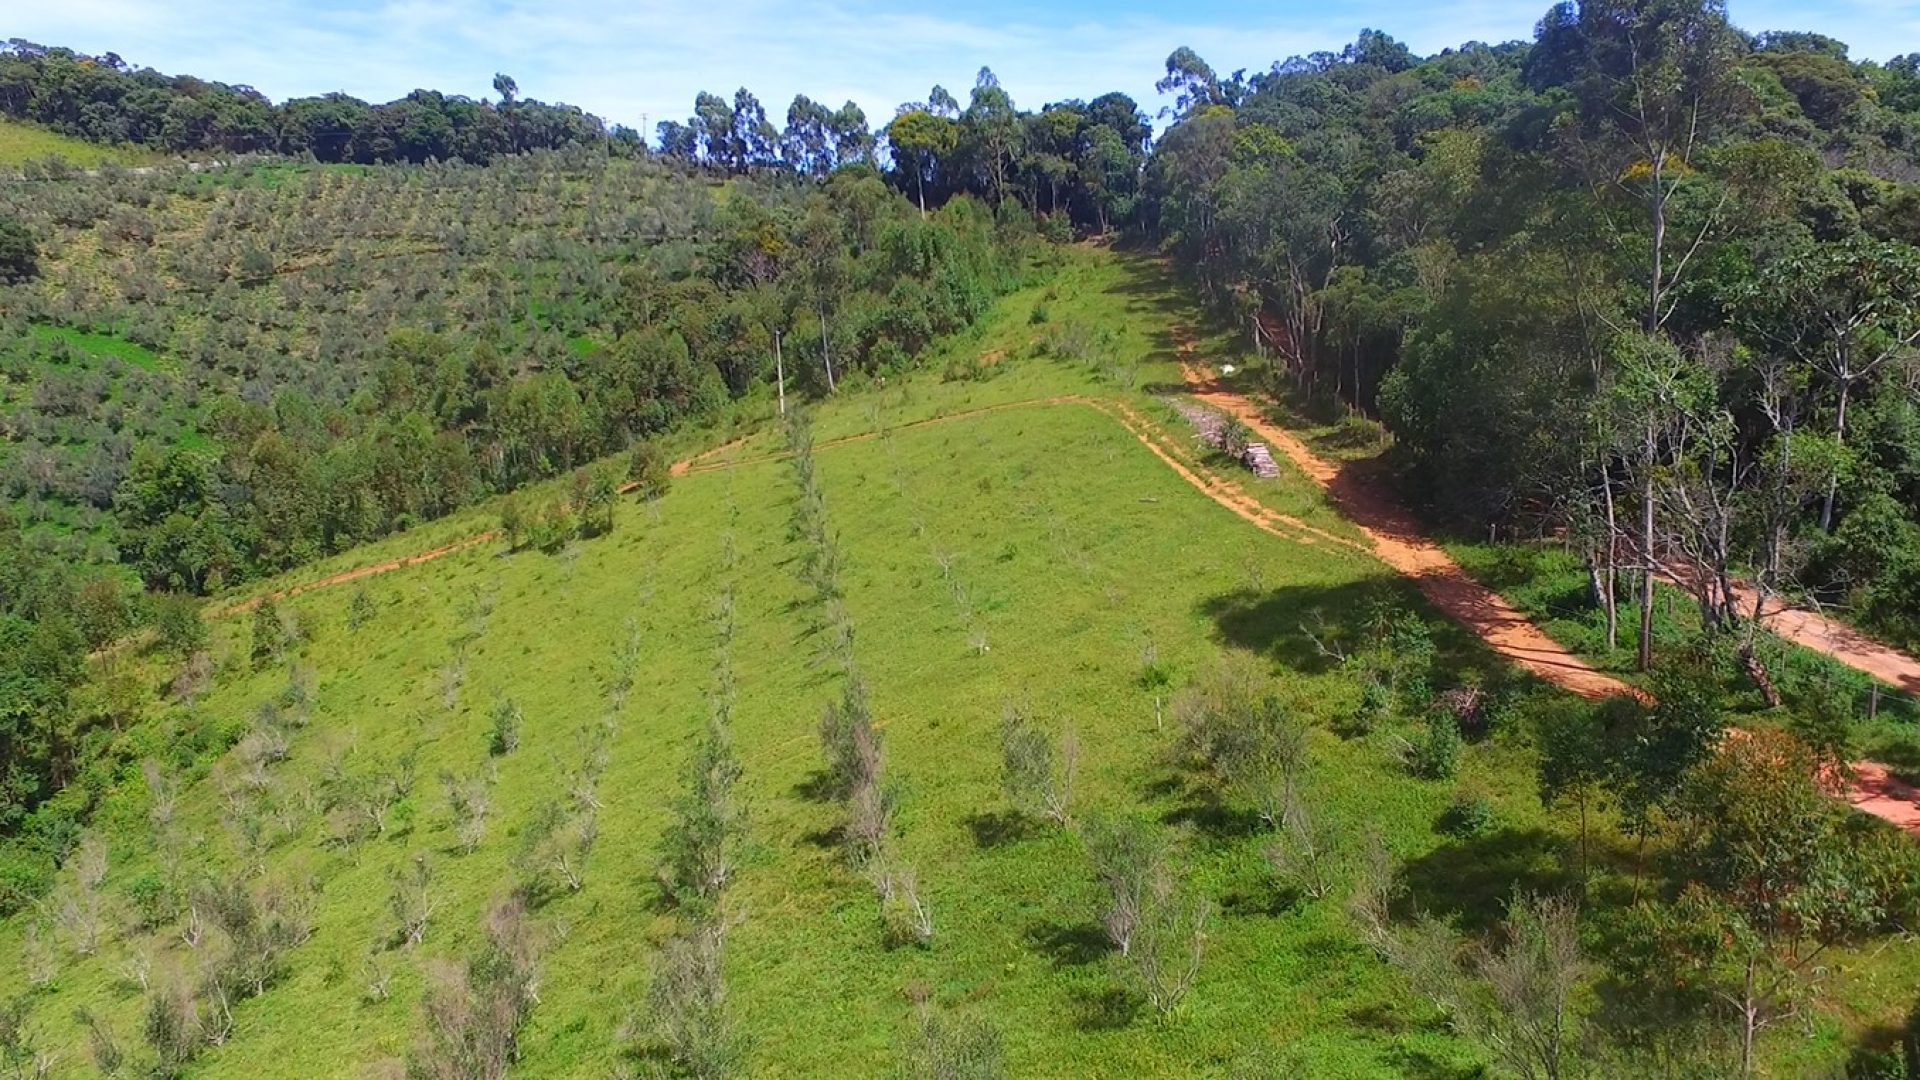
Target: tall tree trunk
(1610,574)
(1658,269)
(1749,1019)
(1840,438)
(1645,658)
(780,372)
(921,176)
(826,355)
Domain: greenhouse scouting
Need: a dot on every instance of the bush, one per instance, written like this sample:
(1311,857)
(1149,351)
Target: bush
(25,876)
(19,259)
(1376,704)
(269,635)
(1469,815)
(505,735)
(1435,755)
(513,522)
(649,469)
(1234,438)
(954,1048)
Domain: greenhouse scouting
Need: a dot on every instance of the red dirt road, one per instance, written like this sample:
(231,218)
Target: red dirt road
(1398,542)
(357,573)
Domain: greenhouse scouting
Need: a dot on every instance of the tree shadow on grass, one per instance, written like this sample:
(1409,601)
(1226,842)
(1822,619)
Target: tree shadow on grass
(1421,1065)
(998,828)
(1472,880)
(1300,625)
(1282,623)
(1901,756)
(1271,900)
(1069,944)
(831,838)
(1213,819)
(818,787)
(1162,389)
(1106,1008)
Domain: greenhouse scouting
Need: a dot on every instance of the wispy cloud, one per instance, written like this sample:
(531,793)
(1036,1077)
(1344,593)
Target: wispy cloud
(638,62)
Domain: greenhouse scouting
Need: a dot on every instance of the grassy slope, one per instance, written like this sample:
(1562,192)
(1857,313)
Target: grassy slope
(1872,988)
(1075,548)
(21,143)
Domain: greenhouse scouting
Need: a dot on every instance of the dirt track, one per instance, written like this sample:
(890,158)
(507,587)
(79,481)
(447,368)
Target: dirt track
(357,573)
(1399,543)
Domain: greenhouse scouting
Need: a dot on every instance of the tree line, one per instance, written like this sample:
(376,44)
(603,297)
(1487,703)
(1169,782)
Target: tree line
(1076,159)
(104,99)
(1647,282)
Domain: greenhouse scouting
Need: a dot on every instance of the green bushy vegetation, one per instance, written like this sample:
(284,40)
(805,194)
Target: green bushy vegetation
(1480,248)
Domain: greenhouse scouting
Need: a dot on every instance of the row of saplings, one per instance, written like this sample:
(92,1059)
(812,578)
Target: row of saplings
(238,932)
(1767,873)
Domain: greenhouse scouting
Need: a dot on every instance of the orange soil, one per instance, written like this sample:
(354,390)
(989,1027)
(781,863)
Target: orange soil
(356,574)
(1398,542)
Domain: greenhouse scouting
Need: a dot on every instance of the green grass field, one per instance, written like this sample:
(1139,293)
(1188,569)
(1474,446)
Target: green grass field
(102,345)
(1071,548)
(21,143)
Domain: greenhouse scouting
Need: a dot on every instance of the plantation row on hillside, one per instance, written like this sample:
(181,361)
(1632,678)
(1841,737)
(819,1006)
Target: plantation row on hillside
(214,377)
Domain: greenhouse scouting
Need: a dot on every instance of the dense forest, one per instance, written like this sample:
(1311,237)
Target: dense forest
(101,98)
(1646,282)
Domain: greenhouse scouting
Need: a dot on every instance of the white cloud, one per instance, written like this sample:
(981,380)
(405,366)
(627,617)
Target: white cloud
(634,60)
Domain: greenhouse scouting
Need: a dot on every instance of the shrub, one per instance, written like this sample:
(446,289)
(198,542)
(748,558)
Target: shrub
(504,737)
(1376,704)
(360,610)
(650,470)
(269,633)
(1234,438)
(1470,814)
(19,258)
(953,1048)
(1435,755)
(688,1004)
(699,847)
(1126,854)
(1308,852)
(475,1011)
(179,629)
(1037,777)
(513,522)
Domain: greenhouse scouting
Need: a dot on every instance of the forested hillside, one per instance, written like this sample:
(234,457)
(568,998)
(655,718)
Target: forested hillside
(104,99)
(1646,281)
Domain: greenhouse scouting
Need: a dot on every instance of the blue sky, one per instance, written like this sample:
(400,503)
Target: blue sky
(628,60)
